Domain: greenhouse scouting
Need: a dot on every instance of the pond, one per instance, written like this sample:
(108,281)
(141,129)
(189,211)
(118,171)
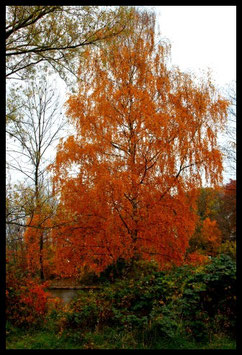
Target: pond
(65,294)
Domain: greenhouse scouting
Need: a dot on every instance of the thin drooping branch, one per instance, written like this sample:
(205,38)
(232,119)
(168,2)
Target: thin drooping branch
(31,19)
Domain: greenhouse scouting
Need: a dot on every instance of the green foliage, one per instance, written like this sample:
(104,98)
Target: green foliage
(228,247)
(164,322)
(123,269)
(185,301)
(208,300)
(147,308)
(83,312)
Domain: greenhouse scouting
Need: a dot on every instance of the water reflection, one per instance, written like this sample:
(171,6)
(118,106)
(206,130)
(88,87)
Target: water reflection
(65,294)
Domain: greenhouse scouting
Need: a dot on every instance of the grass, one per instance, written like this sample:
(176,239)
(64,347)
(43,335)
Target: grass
(108,338)
(218,342)
(38,339)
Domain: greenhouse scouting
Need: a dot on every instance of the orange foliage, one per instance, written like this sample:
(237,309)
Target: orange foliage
(196,258)
(211,231)
(145,134)
(34,296)
(32,238)
(26,300)
(211,234)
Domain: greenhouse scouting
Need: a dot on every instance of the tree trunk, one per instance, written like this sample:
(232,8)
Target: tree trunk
(41,259)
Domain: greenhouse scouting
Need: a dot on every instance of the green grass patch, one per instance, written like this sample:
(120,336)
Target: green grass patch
(108,338)
(218,342)
(17,338)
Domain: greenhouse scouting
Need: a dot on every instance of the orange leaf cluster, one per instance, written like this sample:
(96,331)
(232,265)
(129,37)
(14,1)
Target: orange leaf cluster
(33,235)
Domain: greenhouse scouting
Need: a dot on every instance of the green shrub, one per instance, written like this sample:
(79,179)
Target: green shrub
(164,322)
(228,247)
(188,301)
(208,300)
(83,312)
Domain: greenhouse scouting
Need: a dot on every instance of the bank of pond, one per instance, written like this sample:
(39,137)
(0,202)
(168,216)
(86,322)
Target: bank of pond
(67,294)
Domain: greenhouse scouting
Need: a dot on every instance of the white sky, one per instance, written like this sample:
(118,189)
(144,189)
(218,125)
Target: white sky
(201,37)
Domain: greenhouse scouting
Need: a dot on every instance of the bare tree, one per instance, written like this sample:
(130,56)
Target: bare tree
(229,144)
(30,142)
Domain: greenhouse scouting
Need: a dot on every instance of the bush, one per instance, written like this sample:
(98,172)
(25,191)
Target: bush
(82,313)
(128,269)
(164,322)
(228,247)
(188,301)
(27,303)
(208,300)
(220,298)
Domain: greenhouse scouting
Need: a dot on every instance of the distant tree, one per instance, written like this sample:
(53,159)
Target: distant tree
(216,225)
(227,215)
(207,235)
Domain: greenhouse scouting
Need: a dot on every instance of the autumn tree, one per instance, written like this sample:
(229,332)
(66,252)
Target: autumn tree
(43,39)
(215,230)
(206,238)
(145,137)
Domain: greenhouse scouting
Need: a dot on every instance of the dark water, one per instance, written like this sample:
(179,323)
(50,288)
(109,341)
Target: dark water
(65,294)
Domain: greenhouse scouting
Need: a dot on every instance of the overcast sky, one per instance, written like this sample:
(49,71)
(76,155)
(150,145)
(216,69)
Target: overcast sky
(201,37)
